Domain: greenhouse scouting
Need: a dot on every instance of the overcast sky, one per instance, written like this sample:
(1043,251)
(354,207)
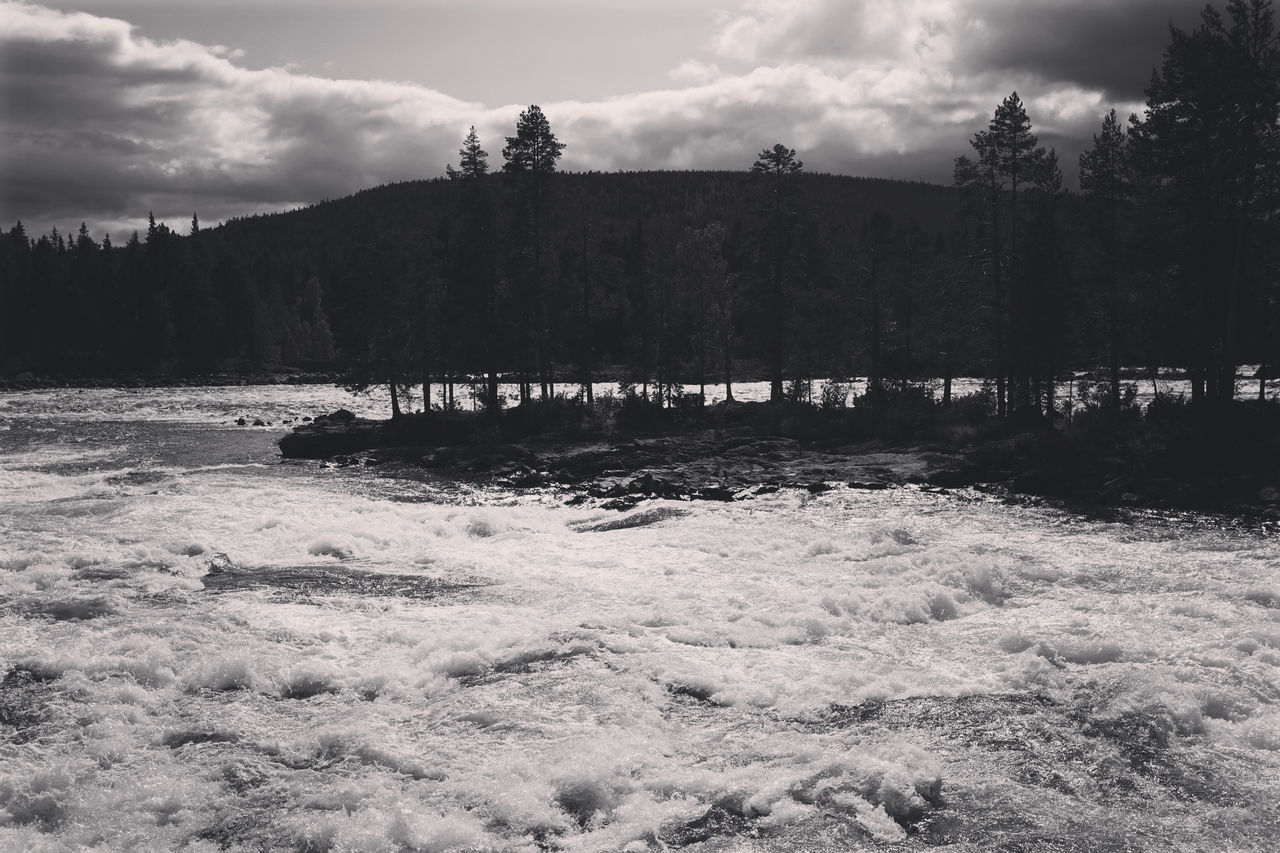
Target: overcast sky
(113,108)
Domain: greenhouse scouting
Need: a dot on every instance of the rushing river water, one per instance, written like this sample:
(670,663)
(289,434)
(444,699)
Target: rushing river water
(205,648)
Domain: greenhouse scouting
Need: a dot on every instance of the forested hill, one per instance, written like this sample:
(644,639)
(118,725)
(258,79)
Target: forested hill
(327,285)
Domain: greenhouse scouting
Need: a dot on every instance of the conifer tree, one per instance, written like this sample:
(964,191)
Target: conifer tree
(1009,159)
(1208,138)
(981,186)
(473,272)
(1107,185)
(780,167)
(1019,160)
(531,157)
(473,160)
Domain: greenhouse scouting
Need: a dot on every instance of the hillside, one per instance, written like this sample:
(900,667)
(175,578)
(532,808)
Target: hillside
(299,288)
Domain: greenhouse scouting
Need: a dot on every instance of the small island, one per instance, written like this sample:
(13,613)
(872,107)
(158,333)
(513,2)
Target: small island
(624,450)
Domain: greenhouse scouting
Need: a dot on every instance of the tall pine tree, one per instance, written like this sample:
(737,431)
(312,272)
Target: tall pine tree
(531,157)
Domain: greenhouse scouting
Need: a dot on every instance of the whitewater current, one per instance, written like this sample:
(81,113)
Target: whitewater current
(203,647)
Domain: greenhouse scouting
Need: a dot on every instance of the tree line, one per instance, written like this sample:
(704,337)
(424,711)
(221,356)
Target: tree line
(1166,257)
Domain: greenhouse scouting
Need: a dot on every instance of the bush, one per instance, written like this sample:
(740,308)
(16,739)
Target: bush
(560,412)
(1168,408)
(900,410)
(639,413)
(834,394)
(1093,410)
(799,391)
(975,407)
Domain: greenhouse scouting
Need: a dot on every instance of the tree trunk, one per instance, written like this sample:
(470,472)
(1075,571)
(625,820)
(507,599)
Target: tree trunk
(1002,410)
(775,345)
(1016,330)
(702,374)
(946,380)
(875,382)
(587,354)
(728,371)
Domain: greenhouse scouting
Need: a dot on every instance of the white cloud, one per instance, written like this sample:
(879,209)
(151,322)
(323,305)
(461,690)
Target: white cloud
(691,72)
(860,31)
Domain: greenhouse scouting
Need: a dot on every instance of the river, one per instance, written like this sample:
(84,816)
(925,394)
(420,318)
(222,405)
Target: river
(203,647)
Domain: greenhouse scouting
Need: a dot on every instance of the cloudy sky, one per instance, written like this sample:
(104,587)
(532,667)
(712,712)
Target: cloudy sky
(113,108)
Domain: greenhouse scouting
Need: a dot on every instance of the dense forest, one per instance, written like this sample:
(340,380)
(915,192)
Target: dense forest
(1167,256)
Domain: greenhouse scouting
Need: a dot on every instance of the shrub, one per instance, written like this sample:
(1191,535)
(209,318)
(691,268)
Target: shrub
(834,394)
(639,413)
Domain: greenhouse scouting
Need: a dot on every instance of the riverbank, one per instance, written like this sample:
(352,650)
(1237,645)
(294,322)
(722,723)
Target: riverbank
(1171,458)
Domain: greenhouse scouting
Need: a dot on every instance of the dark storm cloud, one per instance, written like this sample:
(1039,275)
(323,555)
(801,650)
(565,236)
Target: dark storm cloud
(1102,44)
(71,84)
(1108,45)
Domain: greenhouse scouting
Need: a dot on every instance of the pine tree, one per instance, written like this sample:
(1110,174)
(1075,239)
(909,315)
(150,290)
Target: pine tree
(1019,160)
(531,157)
(780,166)
(1010,159)
(474,160)
(470,289)
(1208,138)
(981,185)
(1107,184)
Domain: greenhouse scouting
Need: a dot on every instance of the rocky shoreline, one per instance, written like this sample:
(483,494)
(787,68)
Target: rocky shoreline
(738,461)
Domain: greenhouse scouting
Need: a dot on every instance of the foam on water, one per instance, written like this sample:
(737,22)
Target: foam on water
(281,656)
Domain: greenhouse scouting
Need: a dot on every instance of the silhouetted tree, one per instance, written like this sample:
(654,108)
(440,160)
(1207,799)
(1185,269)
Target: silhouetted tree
(1105,178)
(473,272)
(1208,139)
(980,183)
(473,160)
(531,157)
(1009,160)
(779,166)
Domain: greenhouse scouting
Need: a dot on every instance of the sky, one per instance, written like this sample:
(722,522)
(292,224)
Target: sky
(111,109)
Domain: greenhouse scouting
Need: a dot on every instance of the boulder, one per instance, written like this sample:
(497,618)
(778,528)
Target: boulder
(953,478)
(331,435)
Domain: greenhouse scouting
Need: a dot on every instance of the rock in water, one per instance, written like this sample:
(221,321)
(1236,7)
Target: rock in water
(331,435)
(637,519)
